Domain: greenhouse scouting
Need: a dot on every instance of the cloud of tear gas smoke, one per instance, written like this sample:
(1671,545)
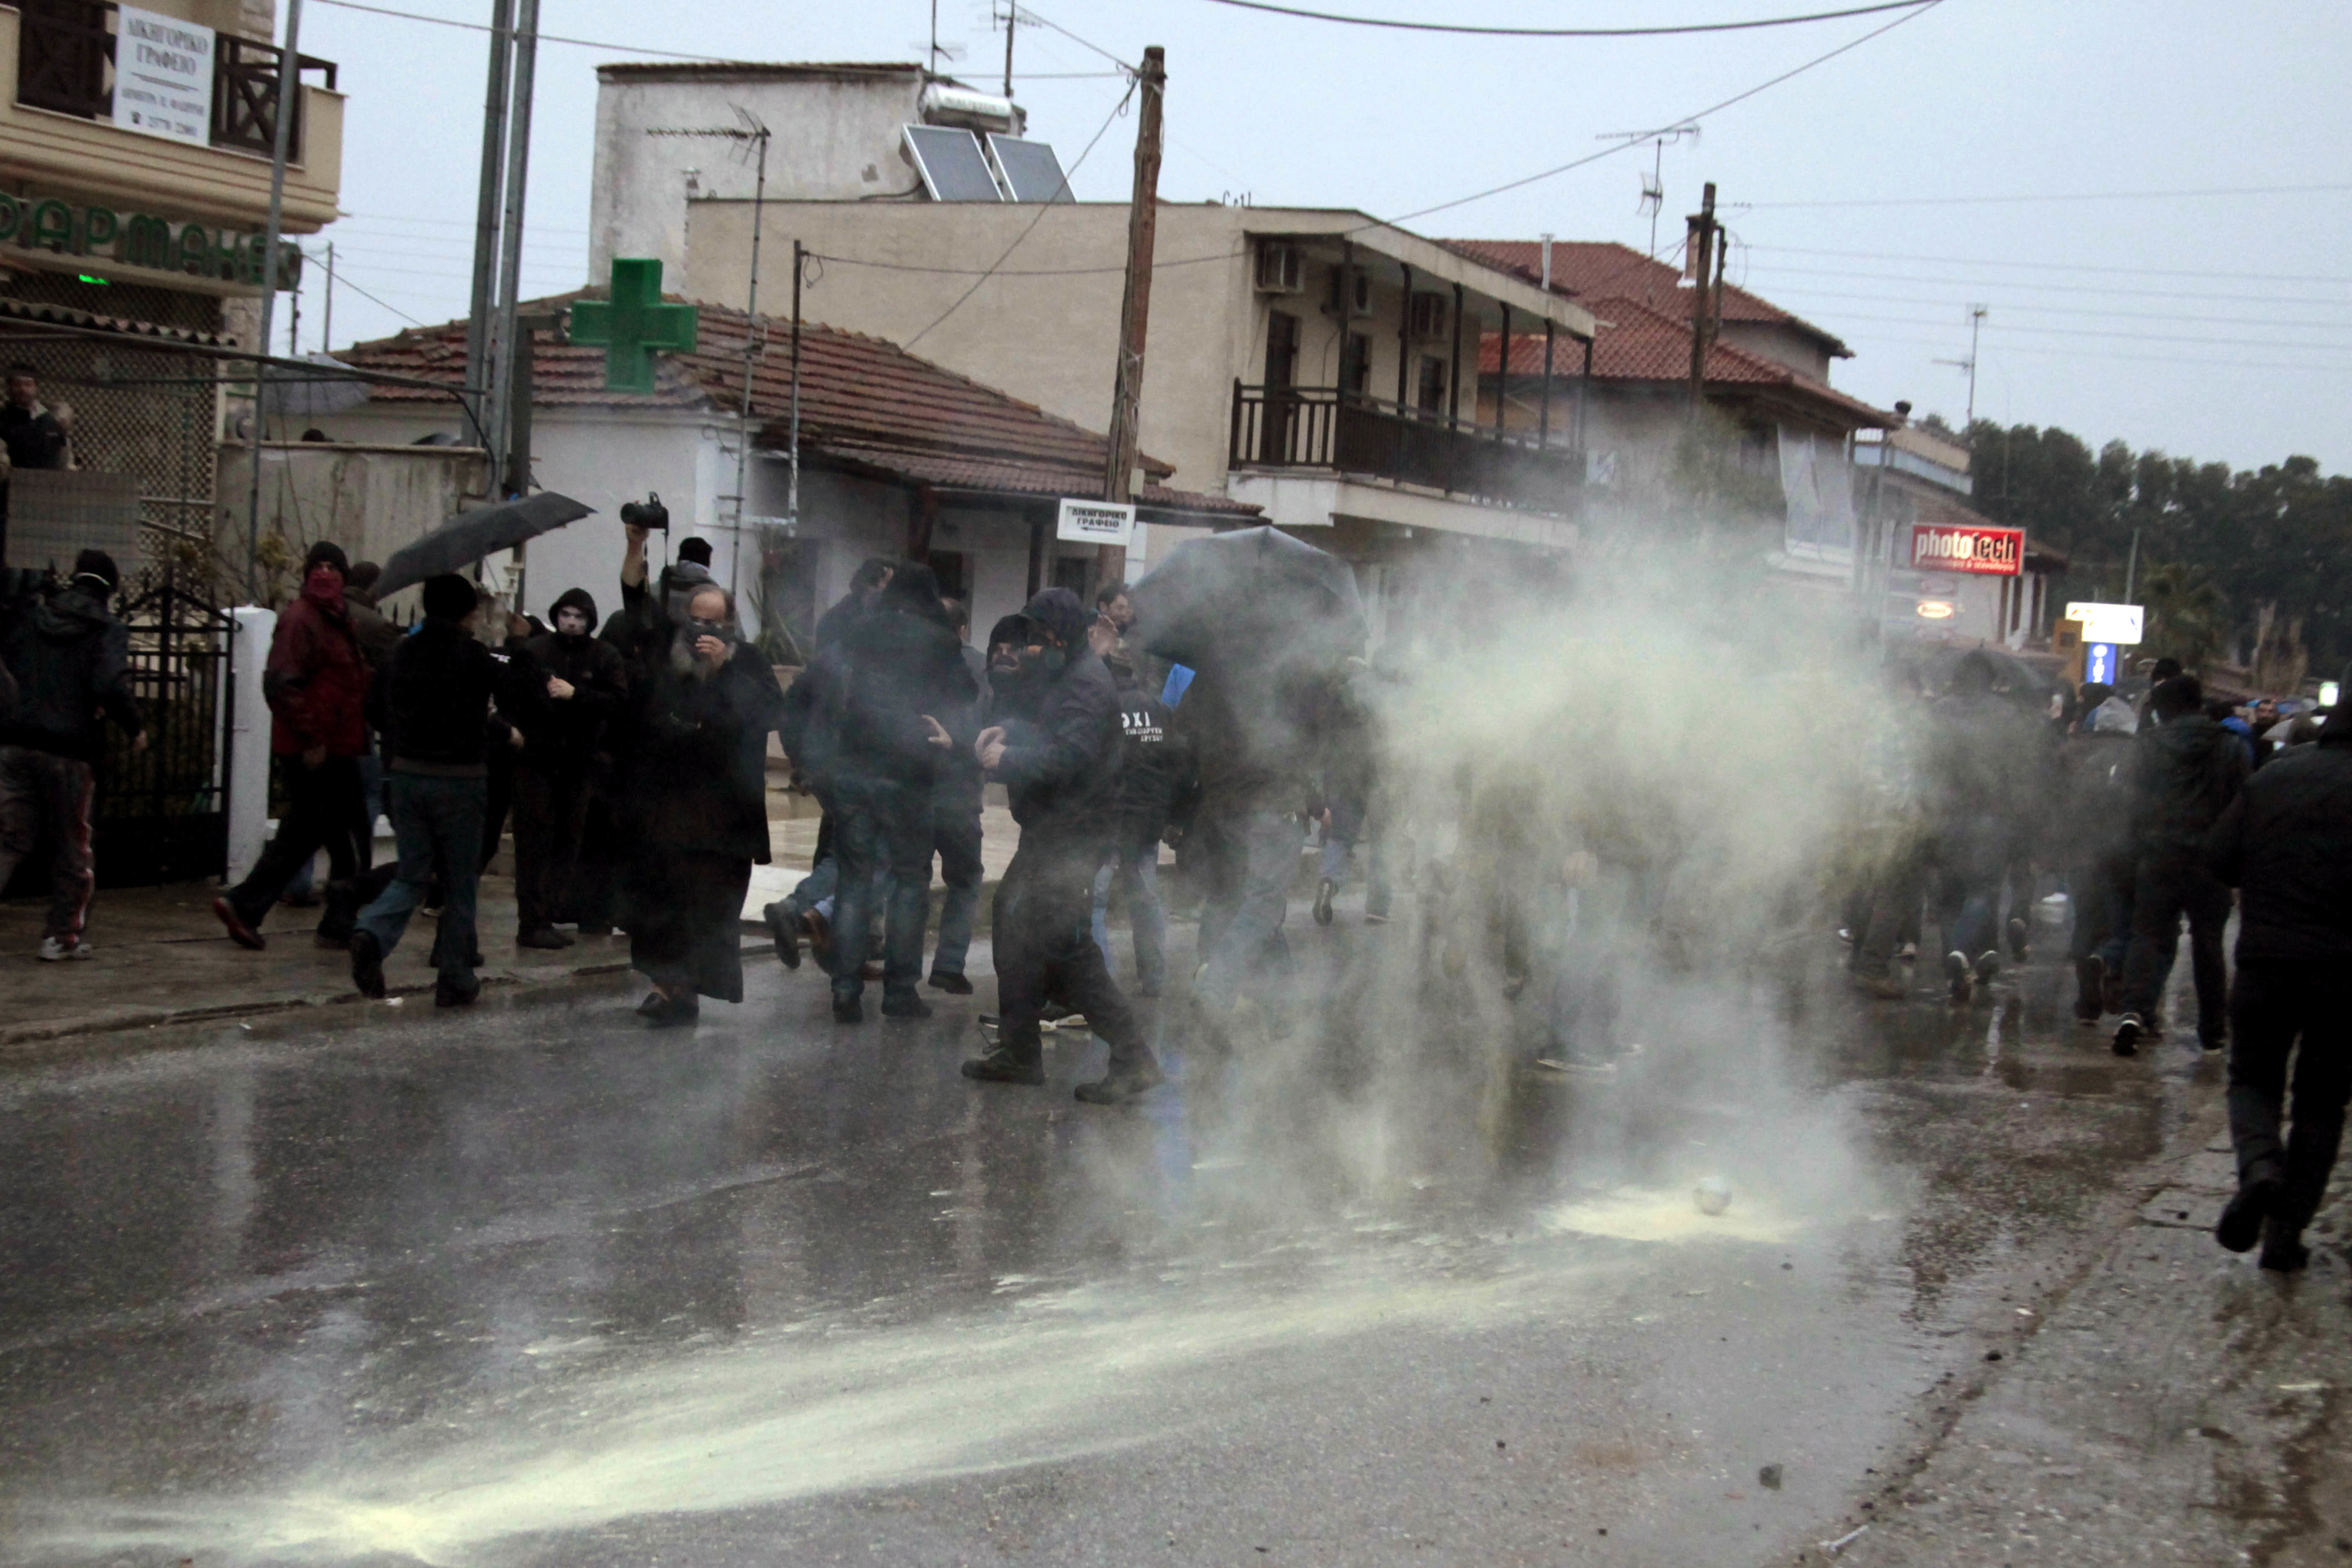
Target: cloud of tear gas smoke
(1624,803)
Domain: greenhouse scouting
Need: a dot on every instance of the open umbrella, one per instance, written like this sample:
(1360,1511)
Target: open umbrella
(1254,595)
(471,535)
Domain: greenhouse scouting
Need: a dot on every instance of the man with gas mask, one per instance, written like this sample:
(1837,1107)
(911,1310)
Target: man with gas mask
(1053,745)
(583,688)
(695,790)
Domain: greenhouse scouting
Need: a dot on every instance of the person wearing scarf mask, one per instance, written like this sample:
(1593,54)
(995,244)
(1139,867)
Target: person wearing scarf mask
(581,685)
(316,681)
(695,796)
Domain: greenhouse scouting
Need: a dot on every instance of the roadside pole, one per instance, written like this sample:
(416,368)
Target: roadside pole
(1135,308)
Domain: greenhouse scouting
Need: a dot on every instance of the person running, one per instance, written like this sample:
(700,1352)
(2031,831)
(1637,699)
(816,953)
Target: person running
(2282,842)
(71,659)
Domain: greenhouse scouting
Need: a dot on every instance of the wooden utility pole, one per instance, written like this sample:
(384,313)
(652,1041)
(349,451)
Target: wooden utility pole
(1135,308)
(1704,239)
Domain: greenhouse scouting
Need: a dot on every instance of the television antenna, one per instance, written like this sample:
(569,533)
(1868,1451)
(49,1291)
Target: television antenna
(1976,324)
(939,51)
(1653,184)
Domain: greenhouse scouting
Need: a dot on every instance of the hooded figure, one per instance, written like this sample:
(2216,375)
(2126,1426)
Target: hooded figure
(316,681)
(1059,764)
(904,702)
(71,661)
(580,686)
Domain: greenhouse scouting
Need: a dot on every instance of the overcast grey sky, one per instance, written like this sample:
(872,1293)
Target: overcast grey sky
(2216,326)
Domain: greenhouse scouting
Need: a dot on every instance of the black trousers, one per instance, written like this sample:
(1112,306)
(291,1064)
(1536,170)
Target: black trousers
(2169,884)
(1045,948)
(2275,1001)
(550,817)
(323,807)
(685,915)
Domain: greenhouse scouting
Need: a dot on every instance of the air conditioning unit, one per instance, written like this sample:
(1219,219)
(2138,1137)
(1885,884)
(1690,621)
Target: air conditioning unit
(1280,269)
(1357,283)
(1430,317)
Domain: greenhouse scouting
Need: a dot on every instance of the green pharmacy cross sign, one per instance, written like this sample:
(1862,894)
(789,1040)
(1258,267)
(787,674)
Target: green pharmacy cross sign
(633,325)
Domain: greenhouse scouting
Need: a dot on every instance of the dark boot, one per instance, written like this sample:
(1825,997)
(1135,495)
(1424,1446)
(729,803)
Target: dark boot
(676,1012)
(2090,989)
(367,966)
(1006,1065)
(953,985)
(445,994)
(848,1010)
(241,931)
(905,1005)
(1324,891)
(2243,1217)
(2282,1247)
(2128,1033)
(784,931)
(546,937)
(652,1005)
(1130,1079)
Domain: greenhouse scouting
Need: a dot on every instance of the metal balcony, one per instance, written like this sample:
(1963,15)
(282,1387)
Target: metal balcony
(1350,434)
(65,64)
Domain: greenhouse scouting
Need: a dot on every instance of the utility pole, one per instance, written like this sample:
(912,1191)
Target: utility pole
(1135,308)
(793,437)
(289,73)
(327,322)
(504,333)
(2131,569)
(1704,234)
(489,198)
(1011,20)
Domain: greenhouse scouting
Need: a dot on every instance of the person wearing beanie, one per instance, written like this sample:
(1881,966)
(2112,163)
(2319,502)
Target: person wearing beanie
(1055,749)
(431,703)
(582,687)
(71,658)
(316,681)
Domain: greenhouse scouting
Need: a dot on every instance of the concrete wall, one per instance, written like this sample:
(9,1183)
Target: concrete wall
(1800,351)
(831,138)
(371,499)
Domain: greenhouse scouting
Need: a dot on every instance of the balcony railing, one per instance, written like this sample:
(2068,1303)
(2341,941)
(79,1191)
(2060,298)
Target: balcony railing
(1349,433)
(65,63)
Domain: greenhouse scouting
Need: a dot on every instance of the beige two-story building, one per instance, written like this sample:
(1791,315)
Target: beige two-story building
(135,161)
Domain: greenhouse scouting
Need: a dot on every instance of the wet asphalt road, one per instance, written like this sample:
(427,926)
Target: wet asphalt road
(533,1285)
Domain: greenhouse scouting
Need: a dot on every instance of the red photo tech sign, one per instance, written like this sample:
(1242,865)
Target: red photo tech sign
(1988,552)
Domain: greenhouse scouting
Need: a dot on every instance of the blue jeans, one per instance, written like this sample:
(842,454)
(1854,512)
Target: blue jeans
(1248,858)
(437,823)
(1137,872)
(955,837)
(882,841)
(1351,825)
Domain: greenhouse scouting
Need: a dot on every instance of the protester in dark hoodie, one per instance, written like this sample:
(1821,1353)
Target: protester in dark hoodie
(2285,843)
(905,683)
(1056,751)
(865,587)
(431,703)
(2184,772)
(582,686)
(702,703)
(70,661)
(316,681)
(956,799)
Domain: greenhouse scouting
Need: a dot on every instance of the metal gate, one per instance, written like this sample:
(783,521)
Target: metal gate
(162,816)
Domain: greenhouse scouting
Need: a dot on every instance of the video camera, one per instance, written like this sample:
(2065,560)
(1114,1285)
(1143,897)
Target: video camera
(648,514)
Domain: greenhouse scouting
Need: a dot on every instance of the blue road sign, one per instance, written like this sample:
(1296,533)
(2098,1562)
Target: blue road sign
(2099,662)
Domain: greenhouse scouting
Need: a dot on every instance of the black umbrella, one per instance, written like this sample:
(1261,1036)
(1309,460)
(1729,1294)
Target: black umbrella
(1254,595)
(471,535)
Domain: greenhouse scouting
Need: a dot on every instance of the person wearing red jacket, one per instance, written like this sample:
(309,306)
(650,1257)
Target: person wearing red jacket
(317,682)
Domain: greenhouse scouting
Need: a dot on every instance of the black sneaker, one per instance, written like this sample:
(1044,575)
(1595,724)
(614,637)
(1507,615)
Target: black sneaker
(1123,1084)
(546,937)
(367,966)
(445,994)
(953,985)
(1323,892)
(2019,945)
(784,928)
(1002,1065)
(906,1005)
(1957,977)
(2282,1247)
(848,1010)
(2240,1225)
(2127,1034)
(1987,964)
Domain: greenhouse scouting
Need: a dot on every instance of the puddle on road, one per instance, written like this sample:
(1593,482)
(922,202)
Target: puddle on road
(1639,1215)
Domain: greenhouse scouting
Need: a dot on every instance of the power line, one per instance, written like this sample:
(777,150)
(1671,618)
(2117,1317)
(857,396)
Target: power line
(340,276)
(2049,266)
(2132,337)
(2074,311)
(2079,196)
(1981,285)
(1468,30)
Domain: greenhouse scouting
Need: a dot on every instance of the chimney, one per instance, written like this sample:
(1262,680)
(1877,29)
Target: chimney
(1546,263)
(1902,414)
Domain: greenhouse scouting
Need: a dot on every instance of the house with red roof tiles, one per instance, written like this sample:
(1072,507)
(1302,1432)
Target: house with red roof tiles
(897,456)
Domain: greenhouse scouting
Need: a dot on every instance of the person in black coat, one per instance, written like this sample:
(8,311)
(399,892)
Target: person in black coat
(2285,842)
(1056,750)
(702,703)
(1155,769)
(584,687)
(431,703)
(2185,772)
(71,661)
(904,683)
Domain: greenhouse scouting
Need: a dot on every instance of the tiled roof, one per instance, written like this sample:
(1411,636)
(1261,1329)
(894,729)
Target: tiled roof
(67,316)
(867,401)
(1589,270)
(1640,345)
